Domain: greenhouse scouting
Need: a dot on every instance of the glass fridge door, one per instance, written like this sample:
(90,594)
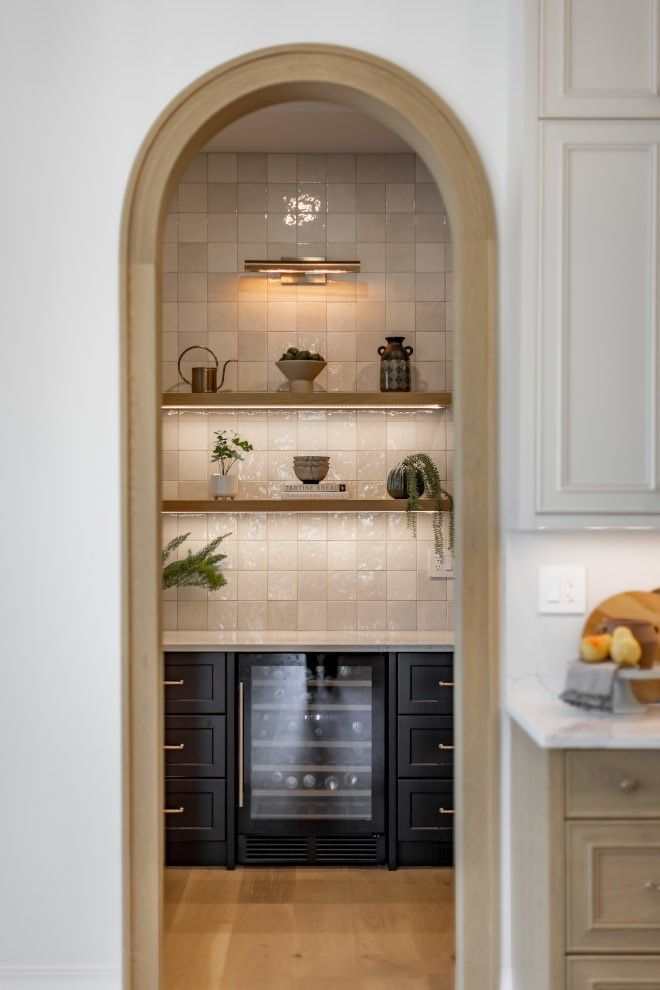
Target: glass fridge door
(312,743)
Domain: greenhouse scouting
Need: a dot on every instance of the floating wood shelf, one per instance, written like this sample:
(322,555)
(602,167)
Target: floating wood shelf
(181,506)
(312,400)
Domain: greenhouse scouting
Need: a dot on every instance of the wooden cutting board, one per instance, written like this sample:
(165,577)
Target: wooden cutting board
(631,605)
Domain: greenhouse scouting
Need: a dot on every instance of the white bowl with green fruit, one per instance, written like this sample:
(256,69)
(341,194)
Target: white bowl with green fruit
(301,367)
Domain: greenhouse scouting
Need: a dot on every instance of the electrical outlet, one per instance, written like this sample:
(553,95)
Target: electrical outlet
(440,570)
(563,590)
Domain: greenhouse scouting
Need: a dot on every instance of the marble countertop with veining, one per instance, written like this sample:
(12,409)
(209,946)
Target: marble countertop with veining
(269,640)
(553,724)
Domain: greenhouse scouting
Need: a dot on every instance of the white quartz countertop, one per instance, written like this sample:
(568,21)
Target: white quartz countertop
(359,641)
(552,724)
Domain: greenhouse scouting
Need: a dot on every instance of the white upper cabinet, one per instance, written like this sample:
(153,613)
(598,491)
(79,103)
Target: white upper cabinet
(598,446)
(599,58)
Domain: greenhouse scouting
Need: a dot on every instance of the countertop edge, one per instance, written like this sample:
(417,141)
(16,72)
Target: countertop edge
(239,642)
(552,724)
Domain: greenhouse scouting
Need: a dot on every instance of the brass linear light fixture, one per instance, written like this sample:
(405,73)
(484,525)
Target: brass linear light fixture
(302,271)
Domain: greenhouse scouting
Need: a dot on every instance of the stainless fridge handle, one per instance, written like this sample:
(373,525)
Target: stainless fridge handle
(241,795)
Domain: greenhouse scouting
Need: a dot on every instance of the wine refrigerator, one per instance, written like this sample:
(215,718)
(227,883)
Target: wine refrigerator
(310,748)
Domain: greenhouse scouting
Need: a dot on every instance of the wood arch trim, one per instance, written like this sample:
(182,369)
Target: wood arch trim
(422,118)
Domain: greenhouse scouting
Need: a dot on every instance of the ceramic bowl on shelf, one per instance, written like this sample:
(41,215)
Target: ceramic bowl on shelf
(310,469)
(301,374)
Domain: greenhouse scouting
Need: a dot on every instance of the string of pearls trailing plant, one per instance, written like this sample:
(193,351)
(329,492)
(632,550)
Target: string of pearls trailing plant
(196,570)
(415,476)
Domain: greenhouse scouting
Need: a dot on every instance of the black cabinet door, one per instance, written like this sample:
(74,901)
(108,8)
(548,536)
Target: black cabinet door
(195,745)
(426,809)
(426,683)
(426,746)
(194,683)
(194,810)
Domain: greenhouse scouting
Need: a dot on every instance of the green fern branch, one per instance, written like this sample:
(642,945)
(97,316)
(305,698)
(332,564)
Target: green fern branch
(196,570)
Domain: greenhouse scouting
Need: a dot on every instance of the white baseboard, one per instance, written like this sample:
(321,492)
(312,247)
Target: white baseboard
(506,978)
(59,978)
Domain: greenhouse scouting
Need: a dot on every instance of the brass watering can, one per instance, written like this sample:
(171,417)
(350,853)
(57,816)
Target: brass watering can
(205,377)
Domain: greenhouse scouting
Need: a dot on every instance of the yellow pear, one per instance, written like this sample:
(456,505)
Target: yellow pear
(625,650)
(593,649)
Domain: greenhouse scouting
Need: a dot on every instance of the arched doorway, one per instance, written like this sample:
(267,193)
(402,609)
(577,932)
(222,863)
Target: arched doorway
(411,109)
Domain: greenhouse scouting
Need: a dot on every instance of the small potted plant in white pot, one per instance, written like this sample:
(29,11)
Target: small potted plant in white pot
(227,450)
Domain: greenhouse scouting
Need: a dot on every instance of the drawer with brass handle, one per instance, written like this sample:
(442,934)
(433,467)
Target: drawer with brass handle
(425,811)
(613,876)
(612,784)
(194,746)
(425,683)
(194,810)
(194,683)
(426,746)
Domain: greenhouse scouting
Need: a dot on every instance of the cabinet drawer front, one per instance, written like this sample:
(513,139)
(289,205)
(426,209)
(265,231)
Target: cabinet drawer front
(613,886)
(426,684)
(613,784)
(614,973)
(425,812)
(195,810)
(194,683)
(200,742)
(426,746)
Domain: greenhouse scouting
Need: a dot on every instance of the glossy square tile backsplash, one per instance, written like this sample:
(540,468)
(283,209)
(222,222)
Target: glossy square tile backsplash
(309,571)
(384,210)
(287,571)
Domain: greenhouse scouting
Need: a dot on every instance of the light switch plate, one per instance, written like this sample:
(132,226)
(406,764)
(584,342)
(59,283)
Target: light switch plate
(563,589)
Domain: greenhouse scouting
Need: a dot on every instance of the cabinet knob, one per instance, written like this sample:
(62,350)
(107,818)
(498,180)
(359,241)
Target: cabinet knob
(445,683)
(652,885)
(174,683)
(173,811)
(445,811)
(628,785)
(443,746)
(178,746)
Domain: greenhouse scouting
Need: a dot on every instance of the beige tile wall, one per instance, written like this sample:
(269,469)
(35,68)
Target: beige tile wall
(338,571)
(382,209)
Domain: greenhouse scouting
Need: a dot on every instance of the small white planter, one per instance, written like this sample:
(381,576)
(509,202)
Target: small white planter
(224,485)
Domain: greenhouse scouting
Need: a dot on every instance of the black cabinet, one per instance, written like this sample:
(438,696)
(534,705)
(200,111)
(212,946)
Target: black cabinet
(422,800)
(426,746)
(195,759)
(426,684)
(195,683)
(373,777)
(195,746)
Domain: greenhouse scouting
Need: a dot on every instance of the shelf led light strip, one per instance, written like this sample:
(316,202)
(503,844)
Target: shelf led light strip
(199,404)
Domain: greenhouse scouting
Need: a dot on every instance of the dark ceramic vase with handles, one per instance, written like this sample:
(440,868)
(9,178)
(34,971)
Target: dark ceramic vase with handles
(394,365)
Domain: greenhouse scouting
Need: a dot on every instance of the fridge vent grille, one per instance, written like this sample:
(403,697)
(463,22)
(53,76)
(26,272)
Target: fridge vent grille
(351,849)
(299,849)
(274,849)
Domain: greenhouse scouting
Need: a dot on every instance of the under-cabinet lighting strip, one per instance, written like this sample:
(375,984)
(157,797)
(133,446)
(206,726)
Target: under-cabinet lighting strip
(216,407)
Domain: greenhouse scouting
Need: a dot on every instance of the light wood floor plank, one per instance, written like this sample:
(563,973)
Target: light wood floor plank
(289,929)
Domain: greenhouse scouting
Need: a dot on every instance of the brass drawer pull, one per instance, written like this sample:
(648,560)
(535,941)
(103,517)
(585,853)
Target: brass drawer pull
(628,785)
(174,683)
(652,885)
(173,811)
(178,746)
(443,746)
(445,683)
(445,811)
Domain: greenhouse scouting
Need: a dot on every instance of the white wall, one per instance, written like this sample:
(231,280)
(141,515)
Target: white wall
(82,81)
